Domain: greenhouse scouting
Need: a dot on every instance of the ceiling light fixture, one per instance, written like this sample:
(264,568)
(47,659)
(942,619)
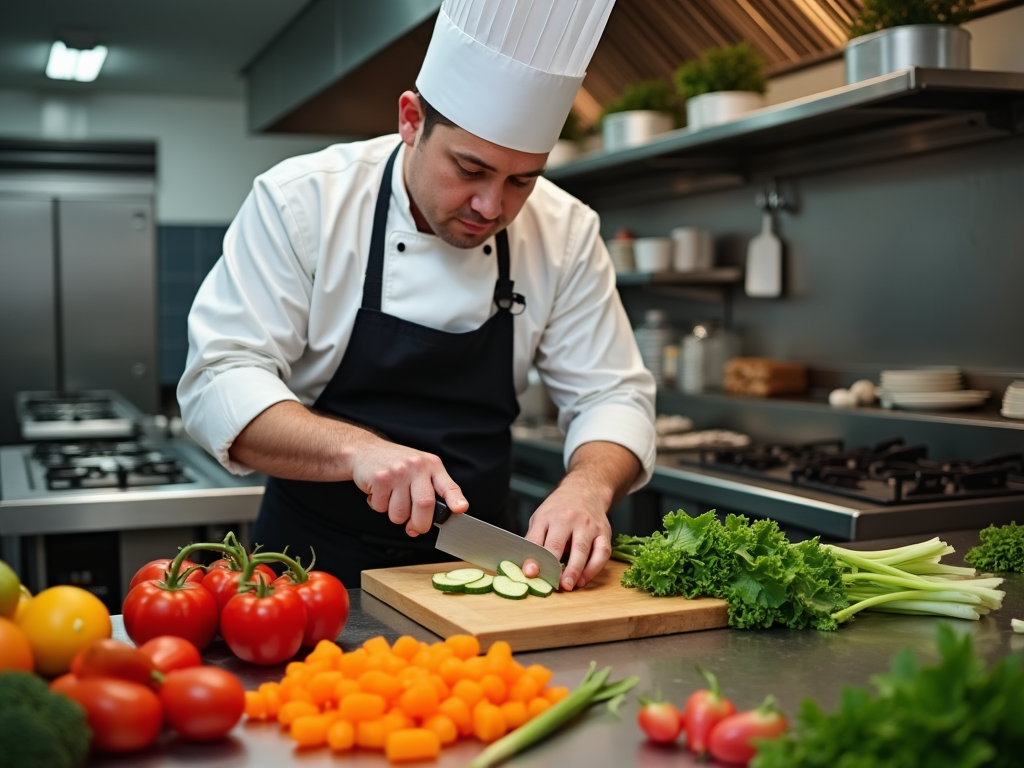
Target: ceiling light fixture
(75,64)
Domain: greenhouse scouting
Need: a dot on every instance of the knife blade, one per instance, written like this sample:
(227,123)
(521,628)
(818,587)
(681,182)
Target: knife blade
(486,545)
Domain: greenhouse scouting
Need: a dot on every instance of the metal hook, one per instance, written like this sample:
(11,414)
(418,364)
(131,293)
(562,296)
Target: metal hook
(771,199)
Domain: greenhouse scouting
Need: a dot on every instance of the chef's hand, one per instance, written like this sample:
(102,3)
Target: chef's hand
(404,482)
(570,519)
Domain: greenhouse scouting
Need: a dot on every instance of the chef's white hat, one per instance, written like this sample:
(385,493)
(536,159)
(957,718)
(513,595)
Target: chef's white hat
(509,70)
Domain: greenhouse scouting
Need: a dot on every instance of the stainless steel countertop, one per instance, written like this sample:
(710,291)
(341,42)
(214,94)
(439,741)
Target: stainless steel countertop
(790,664)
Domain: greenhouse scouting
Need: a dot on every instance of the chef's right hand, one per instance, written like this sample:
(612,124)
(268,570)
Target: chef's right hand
(404,482)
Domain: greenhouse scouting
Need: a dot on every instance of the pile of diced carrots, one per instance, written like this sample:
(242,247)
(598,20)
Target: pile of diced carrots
(409,699)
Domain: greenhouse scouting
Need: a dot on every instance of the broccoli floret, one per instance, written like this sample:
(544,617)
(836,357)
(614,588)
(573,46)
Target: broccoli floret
(38,728)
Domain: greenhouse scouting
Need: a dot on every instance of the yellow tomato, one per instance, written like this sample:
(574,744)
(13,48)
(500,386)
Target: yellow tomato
(23,601)
(58,622)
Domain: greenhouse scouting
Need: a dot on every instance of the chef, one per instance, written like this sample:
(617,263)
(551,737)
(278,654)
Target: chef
(378,305)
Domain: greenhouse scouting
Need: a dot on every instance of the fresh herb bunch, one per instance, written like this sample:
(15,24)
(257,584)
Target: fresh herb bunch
(1001,549)
(735,68)
(765,579)
(951,715)
(654,95)
(876,15)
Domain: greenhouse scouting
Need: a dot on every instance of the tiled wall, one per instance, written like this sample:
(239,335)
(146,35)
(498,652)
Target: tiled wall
(184,255)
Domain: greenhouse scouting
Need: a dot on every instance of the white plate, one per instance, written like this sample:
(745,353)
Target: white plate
(1012,414)
(921,386)
(939,400)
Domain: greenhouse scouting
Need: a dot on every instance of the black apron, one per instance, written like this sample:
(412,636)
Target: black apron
(450,394)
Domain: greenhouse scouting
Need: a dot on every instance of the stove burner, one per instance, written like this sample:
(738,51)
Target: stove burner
(102,464)
(71,408)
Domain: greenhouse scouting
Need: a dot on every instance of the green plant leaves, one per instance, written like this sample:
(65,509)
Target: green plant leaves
(876,15)
(736,68)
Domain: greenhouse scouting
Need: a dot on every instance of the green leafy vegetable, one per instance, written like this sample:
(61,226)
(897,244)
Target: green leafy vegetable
(1001,549)
(951,715)
(875,15)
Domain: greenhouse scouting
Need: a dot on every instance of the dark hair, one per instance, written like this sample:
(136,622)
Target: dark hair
(431,117)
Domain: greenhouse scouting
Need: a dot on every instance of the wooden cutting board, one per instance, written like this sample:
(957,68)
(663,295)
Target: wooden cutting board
(601,612)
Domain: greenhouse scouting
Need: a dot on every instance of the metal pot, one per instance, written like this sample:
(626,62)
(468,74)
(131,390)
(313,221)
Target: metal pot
(719,107)
(940,46)
(626,129)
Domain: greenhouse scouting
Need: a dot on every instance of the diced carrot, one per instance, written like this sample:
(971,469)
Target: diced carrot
(489,722)
(440,651)
(332,715)
(515,713)
(310,730)
(353,664)
(357,707)
(295,669)
(406,647)
(465,646)
(451,670)
(344,688)
(474,668)
(315,667)
(459,712)
(412,675)
(294,691)
(444,727)
(422,659)
(541,674)
(396,720)
(555,693)
(514,672)
(326,649)
(371,734)
(419,701)
(295,709)
(442,688)
(271,697)
(524,689)
(537,705)
(469,691)
(377,645)
(494,688)
(381,683)
(500,650)
(412,745)
(341,736)
(255,705)
(395,664)
(323,686)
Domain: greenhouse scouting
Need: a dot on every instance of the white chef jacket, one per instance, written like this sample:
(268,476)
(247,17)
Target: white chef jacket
(272,320)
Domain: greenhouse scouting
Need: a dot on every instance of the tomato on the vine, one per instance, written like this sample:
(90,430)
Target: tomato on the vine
(168,653)
(265,627)
(224,562)
(202,703)
(155,570)
(731,740)
(703,711)
(152,609)
(112,658)
(222,582)
(326,601)
(123,716)
(660,720)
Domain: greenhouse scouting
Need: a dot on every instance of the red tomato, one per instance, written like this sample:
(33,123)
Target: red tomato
(264,630)
(222,582)
(202,703)
(123,716)
(62,683)
(730,740)
(703,710)
(266,570)
(189,612)
(111,658)
(326,601)
(155,570)
(169,652)
(660,721)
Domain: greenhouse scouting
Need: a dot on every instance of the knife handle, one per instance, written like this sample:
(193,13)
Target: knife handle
(441,512)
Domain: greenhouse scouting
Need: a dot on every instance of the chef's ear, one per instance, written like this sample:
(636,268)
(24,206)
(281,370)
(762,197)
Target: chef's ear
(410,117)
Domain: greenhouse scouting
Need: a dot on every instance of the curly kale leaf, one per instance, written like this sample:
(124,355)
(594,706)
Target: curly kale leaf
(1002,549)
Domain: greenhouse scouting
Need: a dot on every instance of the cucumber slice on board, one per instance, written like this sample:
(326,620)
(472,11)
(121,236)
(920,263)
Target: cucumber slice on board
(442,582)
(513,590)
(480,586)
(512,571)
(465,575)
(539,587)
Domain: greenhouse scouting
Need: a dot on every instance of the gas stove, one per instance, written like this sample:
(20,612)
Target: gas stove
(107,464)
(92,414)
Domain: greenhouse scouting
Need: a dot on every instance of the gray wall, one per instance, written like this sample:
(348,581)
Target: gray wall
(917,262)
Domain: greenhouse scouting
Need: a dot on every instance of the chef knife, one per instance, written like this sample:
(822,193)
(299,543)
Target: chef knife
(486,545)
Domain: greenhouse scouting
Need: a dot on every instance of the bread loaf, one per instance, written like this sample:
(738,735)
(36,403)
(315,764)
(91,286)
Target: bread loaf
(762,377)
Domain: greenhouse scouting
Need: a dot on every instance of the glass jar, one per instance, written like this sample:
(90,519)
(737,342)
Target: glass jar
(652,337)
(706,350)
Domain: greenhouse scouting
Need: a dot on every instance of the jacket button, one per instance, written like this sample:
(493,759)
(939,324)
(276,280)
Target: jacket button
(401,247)
(487,250)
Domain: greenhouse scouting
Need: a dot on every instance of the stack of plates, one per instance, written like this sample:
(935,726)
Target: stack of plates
(929,389)
(1013,401)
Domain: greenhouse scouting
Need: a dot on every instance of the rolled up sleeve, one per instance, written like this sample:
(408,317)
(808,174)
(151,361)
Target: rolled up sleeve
(589,360)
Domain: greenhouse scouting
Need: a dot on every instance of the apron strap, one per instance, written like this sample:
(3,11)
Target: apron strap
(506,299)
(373,283)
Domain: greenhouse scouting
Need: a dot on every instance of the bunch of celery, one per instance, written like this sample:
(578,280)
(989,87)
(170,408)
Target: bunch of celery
(912,580)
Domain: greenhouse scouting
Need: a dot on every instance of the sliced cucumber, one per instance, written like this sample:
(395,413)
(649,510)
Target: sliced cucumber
(465,575)
(513,590)
(480,586)
(539,587)
(511,570)
(442,582)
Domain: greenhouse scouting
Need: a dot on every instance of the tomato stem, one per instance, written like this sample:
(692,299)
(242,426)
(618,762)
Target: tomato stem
(175,578)
(712,682)
(299,574)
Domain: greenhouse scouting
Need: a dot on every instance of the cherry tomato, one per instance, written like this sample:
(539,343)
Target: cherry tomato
(111,658)
(704,709)
(202,703)
(264,630)
(123,716)
(15,651)
(326,601)
(62,683)
(660,721)
(731,739)
(156,569)
(58,622)
(189,612)
(168,653)
(222,582)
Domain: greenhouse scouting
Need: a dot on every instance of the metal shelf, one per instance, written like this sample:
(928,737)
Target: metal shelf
(717,277)
(893,116)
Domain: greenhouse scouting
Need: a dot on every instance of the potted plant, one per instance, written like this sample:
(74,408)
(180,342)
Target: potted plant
(890,35)
(721,85)
(568,144)
(644,109)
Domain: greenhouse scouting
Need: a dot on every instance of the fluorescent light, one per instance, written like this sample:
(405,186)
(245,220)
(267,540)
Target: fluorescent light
(74,64)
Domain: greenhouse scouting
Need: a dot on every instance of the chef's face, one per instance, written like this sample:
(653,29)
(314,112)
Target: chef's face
(462,188)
